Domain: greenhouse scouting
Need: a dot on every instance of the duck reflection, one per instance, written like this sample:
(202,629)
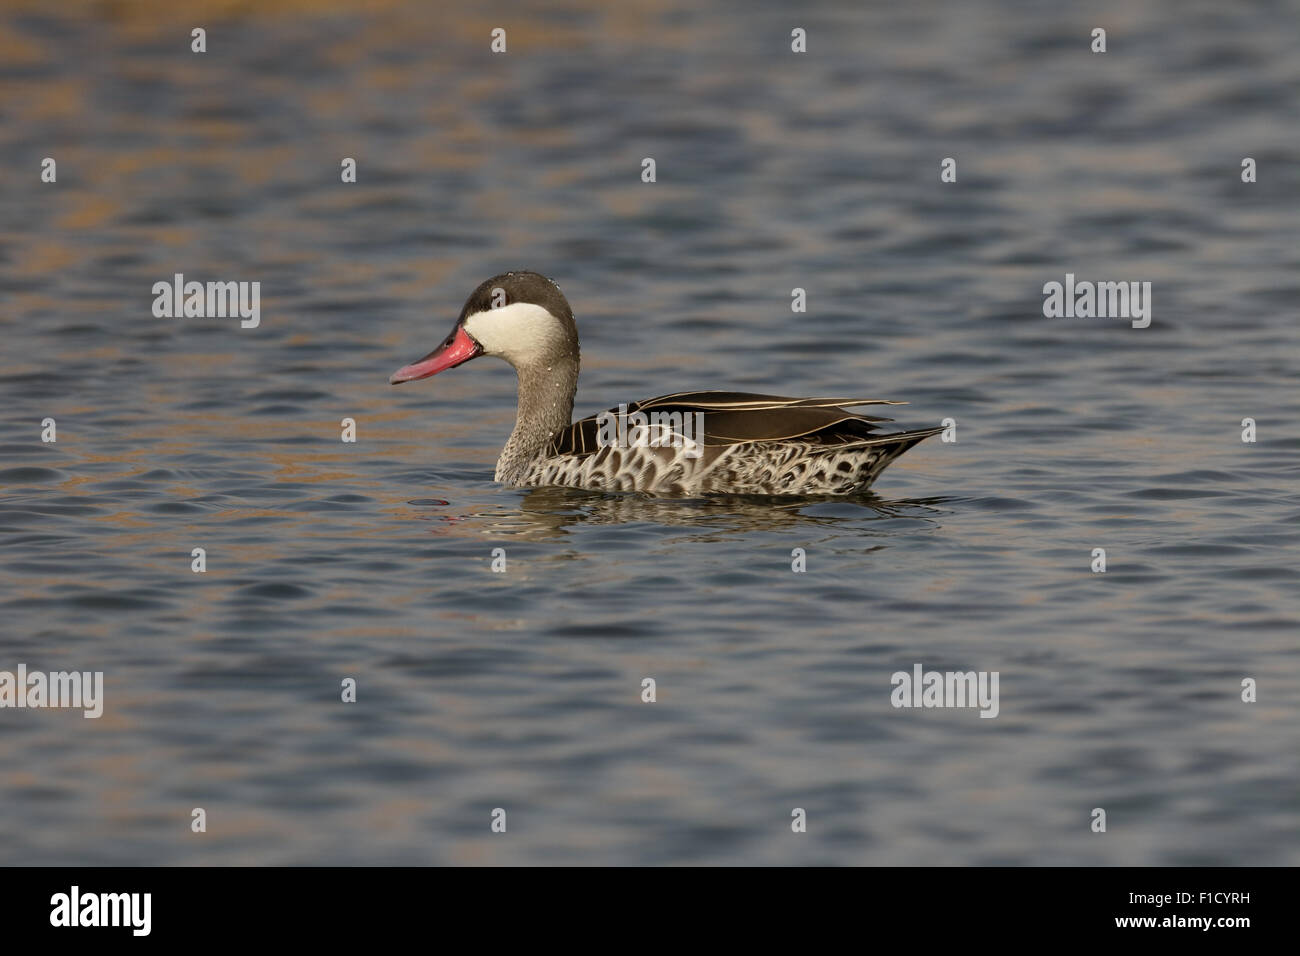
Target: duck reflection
(553,512)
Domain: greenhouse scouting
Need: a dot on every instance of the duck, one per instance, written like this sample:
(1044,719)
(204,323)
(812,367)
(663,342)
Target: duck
(688,444)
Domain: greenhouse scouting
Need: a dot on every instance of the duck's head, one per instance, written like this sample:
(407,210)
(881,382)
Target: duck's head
(521,317)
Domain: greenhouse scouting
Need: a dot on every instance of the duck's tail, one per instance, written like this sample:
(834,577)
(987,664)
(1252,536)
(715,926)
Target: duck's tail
(903,439)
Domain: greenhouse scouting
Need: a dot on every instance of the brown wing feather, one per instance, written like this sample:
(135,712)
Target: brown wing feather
(740,417)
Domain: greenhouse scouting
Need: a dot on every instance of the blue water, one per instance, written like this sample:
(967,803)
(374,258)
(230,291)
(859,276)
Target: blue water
(522,690)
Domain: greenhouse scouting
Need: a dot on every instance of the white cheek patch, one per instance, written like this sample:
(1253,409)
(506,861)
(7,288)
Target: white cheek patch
(518,332)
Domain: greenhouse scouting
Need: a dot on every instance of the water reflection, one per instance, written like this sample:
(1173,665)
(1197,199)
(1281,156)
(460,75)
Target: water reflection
(552,512)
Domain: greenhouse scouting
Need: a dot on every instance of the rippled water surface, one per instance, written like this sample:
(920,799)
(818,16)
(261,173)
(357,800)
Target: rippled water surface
(522,690)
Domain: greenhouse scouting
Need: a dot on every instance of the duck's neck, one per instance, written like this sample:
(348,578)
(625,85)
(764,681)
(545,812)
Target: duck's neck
(545,406)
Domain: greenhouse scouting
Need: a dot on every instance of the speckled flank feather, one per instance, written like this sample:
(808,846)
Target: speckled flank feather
(758,468)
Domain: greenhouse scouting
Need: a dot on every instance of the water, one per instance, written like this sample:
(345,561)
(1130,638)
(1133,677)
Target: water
(521,690)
